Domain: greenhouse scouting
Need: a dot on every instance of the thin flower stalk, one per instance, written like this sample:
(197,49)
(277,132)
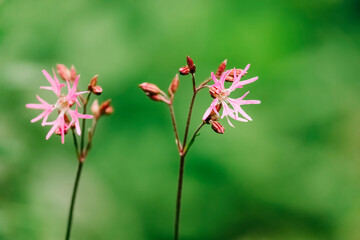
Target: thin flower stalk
(68,117)
(231,108)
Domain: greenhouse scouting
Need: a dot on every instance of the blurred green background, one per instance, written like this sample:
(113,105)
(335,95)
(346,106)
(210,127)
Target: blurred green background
(293,173)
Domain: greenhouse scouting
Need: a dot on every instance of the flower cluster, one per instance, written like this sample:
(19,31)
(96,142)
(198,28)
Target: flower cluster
(231,106)
(67,104)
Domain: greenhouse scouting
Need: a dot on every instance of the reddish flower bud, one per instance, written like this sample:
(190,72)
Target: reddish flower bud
(218,108)
(63,71)
(221,68)
(109,110)
(73,74)
(149,88)
(97,90)
(214,92)
(104,109)
(184,70)
(190,64)
(158,98)
(174,85)
(92,87)
(230,77)
(93,81)
(217,127)
(104,105)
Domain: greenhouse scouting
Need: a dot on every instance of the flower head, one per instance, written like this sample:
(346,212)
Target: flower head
(231,107)
(63,106)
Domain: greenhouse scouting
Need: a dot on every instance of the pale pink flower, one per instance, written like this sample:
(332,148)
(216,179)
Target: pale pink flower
(231,107)
(63,106)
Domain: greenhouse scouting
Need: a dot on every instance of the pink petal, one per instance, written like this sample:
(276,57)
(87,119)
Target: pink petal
(247,81)
(68,86)
(223,77)
(238,109)
(238,100)
(52,130)
(56,79)
(85,116)
(46,88)
(41,100)
(245,69)
(49,78)
(235,82)
(250,102)
(43,114)
(217,83)
(227,111)
(46,116)
(229,121)
(75,119)
(62,129)
(35,106)
(74,87)
(212,106)
(79,93)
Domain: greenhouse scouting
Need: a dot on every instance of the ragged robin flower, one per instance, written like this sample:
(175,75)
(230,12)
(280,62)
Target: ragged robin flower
(63,107)
(231,107)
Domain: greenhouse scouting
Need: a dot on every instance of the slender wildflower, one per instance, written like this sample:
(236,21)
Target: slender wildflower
(231,108)
(68,117)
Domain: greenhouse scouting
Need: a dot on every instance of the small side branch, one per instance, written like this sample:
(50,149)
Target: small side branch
(172,113)
(190,110)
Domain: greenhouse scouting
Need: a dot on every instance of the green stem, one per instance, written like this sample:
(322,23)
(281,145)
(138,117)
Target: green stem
(187,147)
(76,144)
(73,198)
(82,143)
(178,198)
(91,136)
(190,111)
(172,113)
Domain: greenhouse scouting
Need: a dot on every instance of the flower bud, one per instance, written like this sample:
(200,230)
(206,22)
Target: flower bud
(73,74)
(158,98)
(93,81)
(109,110)
(174,85)
(95,109)
(149,88)
(221,68)
(218,107)
(63,71)
(214,92)
(105,105)
(217,127)
(92,87)
(105,108)
(97,90)
(190,64)
(184,70)
(230,77)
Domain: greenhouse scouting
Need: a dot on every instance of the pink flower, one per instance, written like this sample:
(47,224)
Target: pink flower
(231,107)
(63,106)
